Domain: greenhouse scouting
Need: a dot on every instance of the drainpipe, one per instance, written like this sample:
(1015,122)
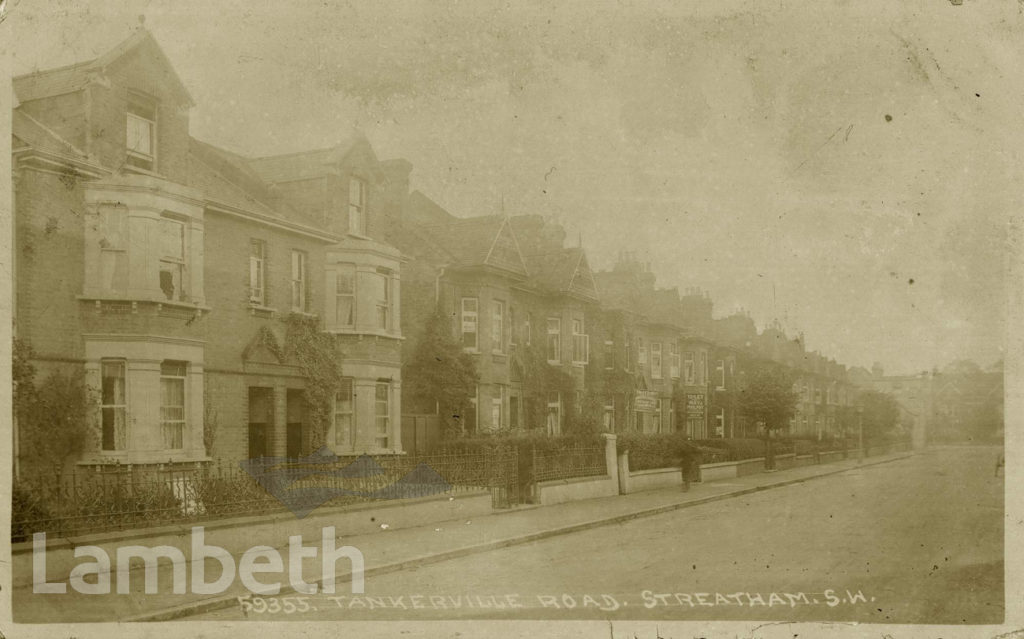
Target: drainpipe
(437,286)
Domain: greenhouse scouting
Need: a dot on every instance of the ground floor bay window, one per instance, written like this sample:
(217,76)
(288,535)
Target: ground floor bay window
(149,392)
(366,409)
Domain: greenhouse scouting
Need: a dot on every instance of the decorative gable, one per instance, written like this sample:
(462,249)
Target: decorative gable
(504,252)
(582,281)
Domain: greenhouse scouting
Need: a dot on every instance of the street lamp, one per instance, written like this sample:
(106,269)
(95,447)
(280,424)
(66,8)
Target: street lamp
(860,434)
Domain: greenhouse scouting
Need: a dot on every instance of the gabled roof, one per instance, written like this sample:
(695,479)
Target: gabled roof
(303,165)
(35,134)
(68,79)
(423,211)
(562,271)
(479,241)
(224,178)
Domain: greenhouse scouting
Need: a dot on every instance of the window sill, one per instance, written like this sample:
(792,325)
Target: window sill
(100,300)
(363,333)
(302,313)
(554,362)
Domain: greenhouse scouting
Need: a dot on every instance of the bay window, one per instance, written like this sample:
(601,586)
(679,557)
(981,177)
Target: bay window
(674,363)
(498,326)
(689,374)
(656,360)
(345,295)
(113,405)
(113,244)
(580,343)
(382,414)
(344,415)
(381,290)
(470,323)
(172,257)
(554,340)
(720,375)
(641,357)
(172,403)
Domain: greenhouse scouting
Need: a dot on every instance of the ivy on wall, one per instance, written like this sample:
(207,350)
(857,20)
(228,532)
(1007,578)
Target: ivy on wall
(317,355)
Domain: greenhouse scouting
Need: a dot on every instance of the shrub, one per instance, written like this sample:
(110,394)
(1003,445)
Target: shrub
(659,450)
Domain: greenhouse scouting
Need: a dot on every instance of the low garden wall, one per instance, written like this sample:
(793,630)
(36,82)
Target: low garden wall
(559,491)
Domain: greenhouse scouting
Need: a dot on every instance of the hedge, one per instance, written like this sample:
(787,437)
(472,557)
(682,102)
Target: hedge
(660,450)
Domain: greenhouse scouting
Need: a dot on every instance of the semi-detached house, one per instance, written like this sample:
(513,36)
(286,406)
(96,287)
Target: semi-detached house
(167,270)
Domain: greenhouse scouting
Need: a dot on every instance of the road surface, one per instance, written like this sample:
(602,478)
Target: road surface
(918,540)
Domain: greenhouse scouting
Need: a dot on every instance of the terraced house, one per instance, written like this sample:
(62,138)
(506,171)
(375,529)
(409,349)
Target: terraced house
(176,275)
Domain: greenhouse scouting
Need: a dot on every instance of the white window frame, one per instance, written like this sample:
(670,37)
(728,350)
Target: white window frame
(114,216)
(720,370)
(689,368)
(182,424)
(580,343)
(498,326)
(703,368)
(554,334)
(382,421)
(609,355)
(121,407)
(720,419)
(257,271)
(349,269)
(674,362)
(528,328)
(300,281)
(382,307)
(135,157)
(357,209)
(513,330)
(470,317)
(641,357)
(656,361)
(345,436)
(498,408)
(173,261)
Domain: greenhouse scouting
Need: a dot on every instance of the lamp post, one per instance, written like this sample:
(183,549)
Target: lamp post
(860,435)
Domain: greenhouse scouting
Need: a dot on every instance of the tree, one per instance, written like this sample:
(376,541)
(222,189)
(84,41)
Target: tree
(881,414)
(440,371)
(56,414)
(768,398)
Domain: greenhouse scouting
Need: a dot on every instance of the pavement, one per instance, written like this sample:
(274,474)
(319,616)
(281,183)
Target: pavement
(396,551)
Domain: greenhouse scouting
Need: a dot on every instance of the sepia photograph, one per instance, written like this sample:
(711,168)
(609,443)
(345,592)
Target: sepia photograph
(627,319)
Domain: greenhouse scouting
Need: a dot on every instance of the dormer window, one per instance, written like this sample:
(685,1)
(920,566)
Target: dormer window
(141,132)
(357,206)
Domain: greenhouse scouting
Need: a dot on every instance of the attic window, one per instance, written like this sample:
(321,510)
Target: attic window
(140,141)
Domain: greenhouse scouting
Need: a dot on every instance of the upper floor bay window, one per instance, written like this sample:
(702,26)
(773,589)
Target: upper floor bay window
(172,403)
(470,323)
(380,288)
(113,405)
(641,352)
(497,326)
(554,340)
(703,368)
(528,329)
(720,375)
(113,227)
(656,360)
(140,136)
(258,272)
(513,328)
(300,282)
(675,361)
(357,206)
(609,355)
(580,343)
(689,374)
(172,248)
(345,296)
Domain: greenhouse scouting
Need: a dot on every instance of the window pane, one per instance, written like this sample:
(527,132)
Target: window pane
(113,383)
(171,275)
(139,135)
(114,270)
(172,239)
(346,280)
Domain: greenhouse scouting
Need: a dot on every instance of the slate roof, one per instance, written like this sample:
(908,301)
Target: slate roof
(555,272)
(70,78)
(303,164)
(225,177)
(468,240)
(37,135)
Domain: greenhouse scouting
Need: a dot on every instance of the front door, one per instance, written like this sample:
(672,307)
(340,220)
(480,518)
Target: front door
(293,434)
(261,418)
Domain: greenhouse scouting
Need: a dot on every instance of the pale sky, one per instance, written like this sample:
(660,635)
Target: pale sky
(802,160)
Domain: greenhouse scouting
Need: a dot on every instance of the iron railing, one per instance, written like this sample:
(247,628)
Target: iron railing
(569,463)
(108,498)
